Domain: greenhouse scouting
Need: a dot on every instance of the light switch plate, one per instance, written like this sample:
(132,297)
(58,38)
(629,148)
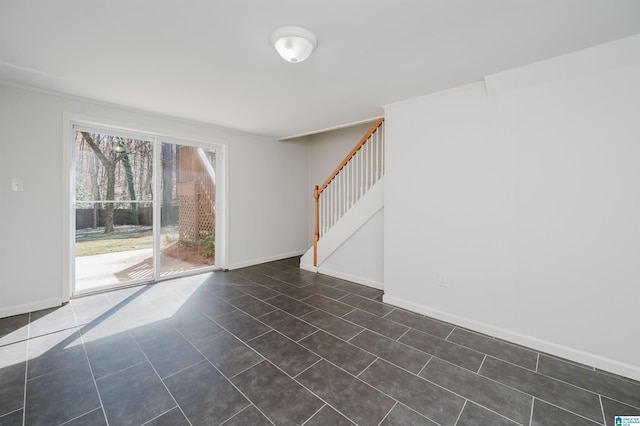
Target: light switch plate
(17,184)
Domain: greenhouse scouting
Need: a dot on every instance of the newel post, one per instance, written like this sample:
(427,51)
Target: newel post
(316,235)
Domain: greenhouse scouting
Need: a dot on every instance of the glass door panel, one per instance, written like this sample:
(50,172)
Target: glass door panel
(114,210)
(187,237)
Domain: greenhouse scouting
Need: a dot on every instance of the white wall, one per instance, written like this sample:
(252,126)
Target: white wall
(266,206)
(528,201)
(361,258)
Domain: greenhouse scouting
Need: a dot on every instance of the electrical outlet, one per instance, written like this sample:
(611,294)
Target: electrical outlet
(443,281)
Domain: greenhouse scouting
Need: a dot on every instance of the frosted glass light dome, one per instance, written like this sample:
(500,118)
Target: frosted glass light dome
(294,44)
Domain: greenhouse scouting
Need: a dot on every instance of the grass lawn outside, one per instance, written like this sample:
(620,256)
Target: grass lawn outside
(90,242)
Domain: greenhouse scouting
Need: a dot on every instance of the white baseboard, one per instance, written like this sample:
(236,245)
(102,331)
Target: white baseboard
(29,307)
(576,355)
(309,268)
(246,263)
(359,280)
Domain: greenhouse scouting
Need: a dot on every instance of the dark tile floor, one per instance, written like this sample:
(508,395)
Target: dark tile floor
(272,344)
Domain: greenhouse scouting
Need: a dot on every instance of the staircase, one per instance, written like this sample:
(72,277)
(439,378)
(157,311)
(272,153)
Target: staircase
(348,209)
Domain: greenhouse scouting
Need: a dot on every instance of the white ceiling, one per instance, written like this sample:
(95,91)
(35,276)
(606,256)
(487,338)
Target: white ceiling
(211,61)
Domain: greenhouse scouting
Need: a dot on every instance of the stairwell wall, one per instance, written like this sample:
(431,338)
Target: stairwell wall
(361,258)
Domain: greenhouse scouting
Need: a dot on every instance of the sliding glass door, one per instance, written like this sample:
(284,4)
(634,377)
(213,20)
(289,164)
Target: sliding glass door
(144,209)
(188,182)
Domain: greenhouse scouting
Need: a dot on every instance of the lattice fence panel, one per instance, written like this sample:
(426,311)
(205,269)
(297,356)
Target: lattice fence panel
(189,217)
(206,217)
(196,192)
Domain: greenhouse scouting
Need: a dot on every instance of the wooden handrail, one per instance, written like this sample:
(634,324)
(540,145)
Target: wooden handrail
(316,234)
(355,149)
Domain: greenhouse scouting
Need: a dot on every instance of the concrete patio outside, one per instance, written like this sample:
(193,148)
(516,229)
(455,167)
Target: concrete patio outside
(102,270)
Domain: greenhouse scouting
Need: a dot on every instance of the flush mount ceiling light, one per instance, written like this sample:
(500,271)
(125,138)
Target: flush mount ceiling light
(294,44)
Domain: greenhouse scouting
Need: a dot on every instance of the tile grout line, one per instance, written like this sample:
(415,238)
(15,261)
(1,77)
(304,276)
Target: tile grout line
(157,374)
(300,384)
(400,368)
(235,337)
(225,376)
(44,335)
(81,415)
(348,343)
(301,318)
(93,376)
(533,403)
(121,370)
(246,369)
(366,368)
(26,370)
(368,328)
(314,331)
(426,379)
(316,412)
(530,370)
(342,297)
(237,308)
(424,366)
(230,303)
(356,335)
(325,311)
(309,367)
(251,404)
(332,315)
(307,336)
(259,335)
(322,358)
(229,331)
(591,391)
(388,412)
(179,371)
(481,364)
(351,311)
(403,334)
(243,394)
(160,415)
(11,412)
(460,413)
(569,411)
(458,346)
(324,330)
(383,359)
(533,396)
(375,355)
(450,333)
(368,300)
(611,375)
